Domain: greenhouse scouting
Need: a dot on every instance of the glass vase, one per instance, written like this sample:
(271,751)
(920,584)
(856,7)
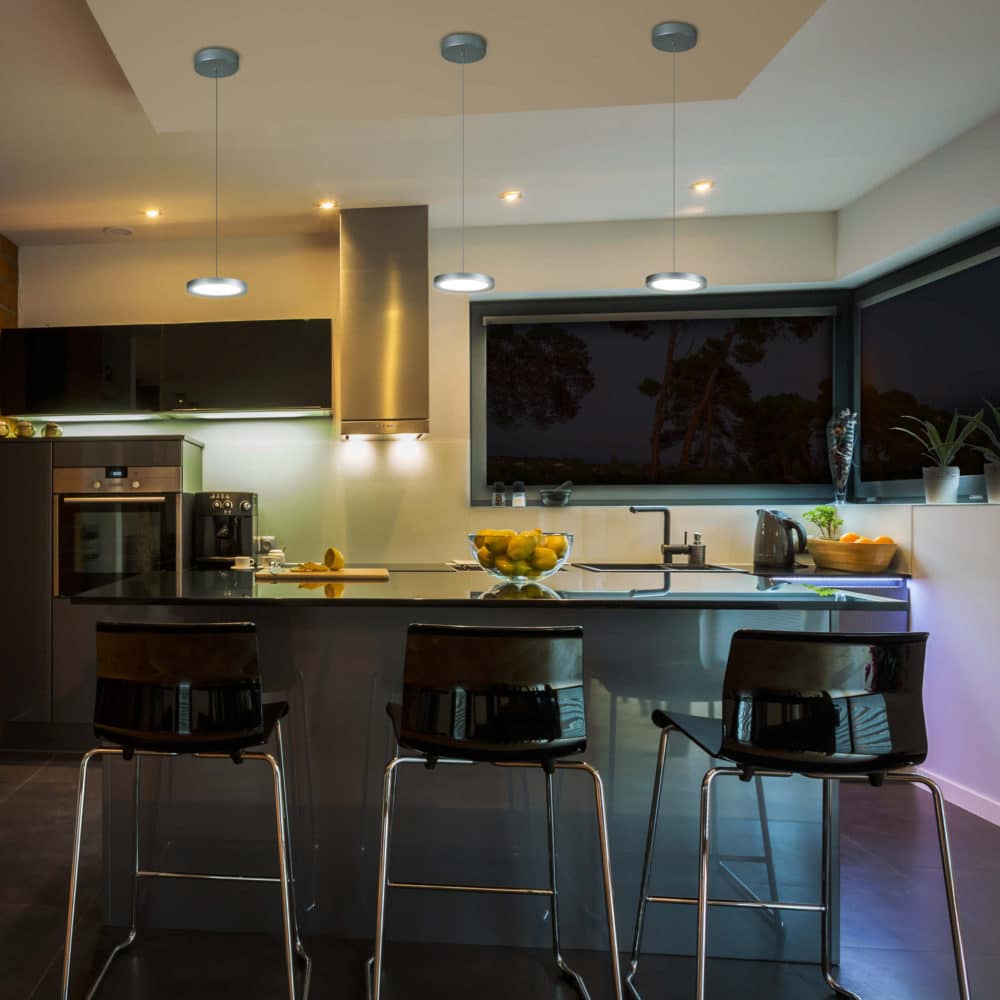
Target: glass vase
(841,432)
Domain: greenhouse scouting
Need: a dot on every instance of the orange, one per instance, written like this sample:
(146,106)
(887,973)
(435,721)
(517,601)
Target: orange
(885,540)
(849,536)
(862,541)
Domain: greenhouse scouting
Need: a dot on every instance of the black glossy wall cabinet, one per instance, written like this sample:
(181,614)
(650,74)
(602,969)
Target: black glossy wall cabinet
(109,370)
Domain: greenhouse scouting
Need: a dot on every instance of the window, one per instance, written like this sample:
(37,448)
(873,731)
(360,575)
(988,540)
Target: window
(928,347)
(714,404)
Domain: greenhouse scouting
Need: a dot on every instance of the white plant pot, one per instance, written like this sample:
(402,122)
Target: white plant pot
(991,470)
(941,484)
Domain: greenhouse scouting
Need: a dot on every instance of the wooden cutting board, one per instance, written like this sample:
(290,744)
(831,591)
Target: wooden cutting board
(332,575)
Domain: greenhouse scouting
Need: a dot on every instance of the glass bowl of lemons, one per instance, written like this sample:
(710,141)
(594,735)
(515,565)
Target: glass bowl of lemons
(521,556)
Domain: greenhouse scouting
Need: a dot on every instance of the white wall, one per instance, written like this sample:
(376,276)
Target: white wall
(948,195)
(290,277)
(955,596)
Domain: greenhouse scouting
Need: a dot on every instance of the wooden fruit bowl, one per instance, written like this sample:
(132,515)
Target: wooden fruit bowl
(854,557)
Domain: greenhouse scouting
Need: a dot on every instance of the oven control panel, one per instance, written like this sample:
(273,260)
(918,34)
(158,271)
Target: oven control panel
(117,479)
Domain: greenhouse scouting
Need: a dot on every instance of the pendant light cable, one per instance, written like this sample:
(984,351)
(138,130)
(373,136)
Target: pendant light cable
(674,37)
(461,155)
(216,62)
(462,47)
(673,151)
(216,176)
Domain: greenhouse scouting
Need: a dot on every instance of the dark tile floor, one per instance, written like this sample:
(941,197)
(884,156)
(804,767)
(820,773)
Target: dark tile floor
(895,929)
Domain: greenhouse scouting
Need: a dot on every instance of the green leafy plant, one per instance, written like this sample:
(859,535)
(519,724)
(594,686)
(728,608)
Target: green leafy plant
(942,450)
(991,451)
(826,518)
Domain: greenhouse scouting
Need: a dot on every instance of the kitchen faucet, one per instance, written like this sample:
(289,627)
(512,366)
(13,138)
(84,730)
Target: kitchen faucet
(667,550)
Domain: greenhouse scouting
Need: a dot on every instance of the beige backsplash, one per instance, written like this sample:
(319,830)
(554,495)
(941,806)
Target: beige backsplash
(407,501)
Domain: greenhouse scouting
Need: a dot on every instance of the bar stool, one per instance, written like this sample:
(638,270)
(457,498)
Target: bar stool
(511,697)
(170,689)
(834,707)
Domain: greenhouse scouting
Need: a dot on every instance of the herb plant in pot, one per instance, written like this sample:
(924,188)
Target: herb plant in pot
(991,451)
(941,479)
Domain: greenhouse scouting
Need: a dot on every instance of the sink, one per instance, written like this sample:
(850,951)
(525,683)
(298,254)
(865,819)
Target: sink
(653,568)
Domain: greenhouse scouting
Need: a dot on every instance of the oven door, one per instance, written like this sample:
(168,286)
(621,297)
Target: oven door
(103,539)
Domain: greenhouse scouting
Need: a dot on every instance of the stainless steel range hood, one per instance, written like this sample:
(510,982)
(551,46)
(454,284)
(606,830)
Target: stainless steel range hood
(383,326)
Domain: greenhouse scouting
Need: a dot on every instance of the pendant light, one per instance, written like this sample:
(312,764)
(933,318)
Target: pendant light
(674,37)
(216,63)
(463,47)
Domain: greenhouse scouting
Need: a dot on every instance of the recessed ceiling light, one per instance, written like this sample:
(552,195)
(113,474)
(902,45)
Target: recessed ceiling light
(326,204)
(117,231)
(511,196)
(703,186)
(153,213)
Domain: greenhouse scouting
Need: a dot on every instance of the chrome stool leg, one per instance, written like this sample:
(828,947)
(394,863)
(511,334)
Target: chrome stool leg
(74,874)
(647,864)
(373,981)
(609,892)
(299,948)
(283,873)
(703,851)
(826,944)
(947,871)
(564,968)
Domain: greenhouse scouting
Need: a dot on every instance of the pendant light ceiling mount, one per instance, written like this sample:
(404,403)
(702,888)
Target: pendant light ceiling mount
(674,37)
(216,62)
(463,47)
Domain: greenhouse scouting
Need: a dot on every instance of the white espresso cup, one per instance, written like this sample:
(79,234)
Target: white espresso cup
(243,562)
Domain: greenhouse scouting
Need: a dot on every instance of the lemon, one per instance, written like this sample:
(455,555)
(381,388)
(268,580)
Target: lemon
(521,546)
(522,567)
(504,565)
(543,558)
(485,557)
(557,543)
(333,590)
(497,543)
(333,559)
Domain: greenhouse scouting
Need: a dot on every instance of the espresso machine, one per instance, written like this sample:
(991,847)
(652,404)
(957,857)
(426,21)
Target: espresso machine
(224,525)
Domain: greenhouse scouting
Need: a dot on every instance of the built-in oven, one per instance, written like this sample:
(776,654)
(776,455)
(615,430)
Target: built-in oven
(115,522)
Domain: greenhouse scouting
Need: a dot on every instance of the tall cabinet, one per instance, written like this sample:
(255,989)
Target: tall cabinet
(25,586)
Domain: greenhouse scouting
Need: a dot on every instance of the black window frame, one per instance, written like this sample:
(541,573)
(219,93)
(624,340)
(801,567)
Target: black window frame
(839,301)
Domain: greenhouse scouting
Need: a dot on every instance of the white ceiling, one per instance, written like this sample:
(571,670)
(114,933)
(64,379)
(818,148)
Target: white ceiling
(860,91)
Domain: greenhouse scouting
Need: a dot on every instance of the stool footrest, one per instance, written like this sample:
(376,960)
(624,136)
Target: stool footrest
(763,904)
(503,889)
(208,876)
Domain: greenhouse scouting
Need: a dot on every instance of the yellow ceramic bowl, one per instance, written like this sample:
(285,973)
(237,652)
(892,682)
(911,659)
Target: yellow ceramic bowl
(853,557)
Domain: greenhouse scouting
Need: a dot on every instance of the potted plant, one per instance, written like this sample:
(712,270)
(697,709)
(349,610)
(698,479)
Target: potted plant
(941,479)
(991,451)
(826,518)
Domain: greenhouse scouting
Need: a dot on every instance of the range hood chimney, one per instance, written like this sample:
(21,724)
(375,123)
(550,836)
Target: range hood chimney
(384,326)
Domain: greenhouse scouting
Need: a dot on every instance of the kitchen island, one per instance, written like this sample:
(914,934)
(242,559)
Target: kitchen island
(335,654)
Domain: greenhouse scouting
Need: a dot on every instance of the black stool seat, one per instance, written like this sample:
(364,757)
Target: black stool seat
(812,702)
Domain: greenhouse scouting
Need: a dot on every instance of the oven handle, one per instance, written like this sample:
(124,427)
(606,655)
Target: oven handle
(130,498)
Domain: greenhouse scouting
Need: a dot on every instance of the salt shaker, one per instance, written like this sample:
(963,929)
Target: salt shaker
(518,496)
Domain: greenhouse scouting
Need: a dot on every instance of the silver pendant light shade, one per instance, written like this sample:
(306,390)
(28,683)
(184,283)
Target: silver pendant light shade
(463,47)
(674,37)
(216,63)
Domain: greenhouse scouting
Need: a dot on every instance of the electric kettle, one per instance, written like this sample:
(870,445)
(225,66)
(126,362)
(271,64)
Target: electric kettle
(773,545)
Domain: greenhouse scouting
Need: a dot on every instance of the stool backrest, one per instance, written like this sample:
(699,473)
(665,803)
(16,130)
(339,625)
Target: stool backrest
(825,701)
(177,686)
(485,693)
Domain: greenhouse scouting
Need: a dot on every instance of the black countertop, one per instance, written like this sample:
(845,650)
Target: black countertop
(449,588)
